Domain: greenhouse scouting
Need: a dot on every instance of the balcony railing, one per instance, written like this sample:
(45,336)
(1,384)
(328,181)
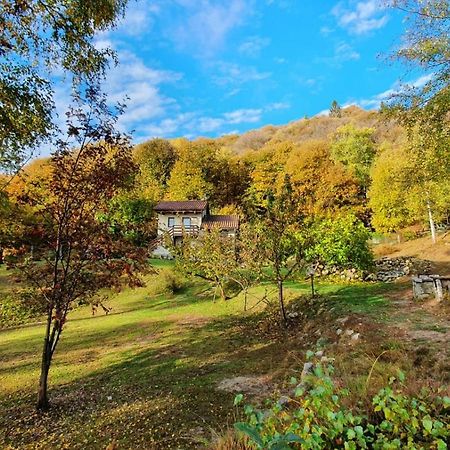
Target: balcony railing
(175,231)
(180,230)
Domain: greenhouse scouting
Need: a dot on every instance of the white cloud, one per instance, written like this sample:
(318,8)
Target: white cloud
(362,18)
(343,52)
(243,116)
(252,46)
(323,113)
(167,126)
(193,123)
(103,43)
(375,101)
(139,18)
(236,75)
(209,124)
(138,85)
(421,81)
(206,24)
(326,30)
(278,106)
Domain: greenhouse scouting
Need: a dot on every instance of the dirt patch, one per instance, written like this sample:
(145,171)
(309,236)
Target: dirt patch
(192,321)
(258,386)
(423,248)
(151,337)
(429,335)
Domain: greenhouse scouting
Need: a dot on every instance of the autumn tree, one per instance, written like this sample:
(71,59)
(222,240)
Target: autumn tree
(189,177)
(80,255)
(274,249)
(387,194)
(423,109)
(41,38)
(324,186)
(155,159)
(401,195)
(355,149)
(425,43)
(131,216)
(267,169)
(204,170)
(210,256)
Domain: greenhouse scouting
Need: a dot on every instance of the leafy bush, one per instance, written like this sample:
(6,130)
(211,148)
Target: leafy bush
(341,242)
(317,418)
(167,281)
(16,310)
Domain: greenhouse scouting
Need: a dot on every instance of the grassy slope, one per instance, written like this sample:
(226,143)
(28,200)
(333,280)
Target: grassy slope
(145,375)
(438,253)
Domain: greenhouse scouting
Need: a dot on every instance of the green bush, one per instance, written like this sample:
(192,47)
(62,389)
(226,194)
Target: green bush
(167,281)
(16,310)
(342,242)
(317,418)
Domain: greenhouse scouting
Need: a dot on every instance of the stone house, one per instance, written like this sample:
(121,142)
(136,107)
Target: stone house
(178,218)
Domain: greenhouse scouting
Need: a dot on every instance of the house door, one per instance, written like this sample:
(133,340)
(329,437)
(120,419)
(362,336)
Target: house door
(186,223)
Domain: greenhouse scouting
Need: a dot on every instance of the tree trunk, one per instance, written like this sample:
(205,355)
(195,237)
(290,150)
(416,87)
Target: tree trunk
(222,292)
(432,224)
(281,301)
(42,403)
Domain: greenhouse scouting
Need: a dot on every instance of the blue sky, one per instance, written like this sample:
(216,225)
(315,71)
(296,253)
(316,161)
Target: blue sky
(211,67)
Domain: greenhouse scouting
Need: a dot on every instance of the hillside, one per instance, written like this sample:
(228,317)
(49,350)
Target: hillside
(161,370)
(438,254)
(318,128)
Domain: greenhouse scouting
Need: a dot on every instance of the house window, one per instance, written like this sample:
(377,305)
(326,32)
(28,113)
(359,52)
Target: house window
(171,222)
(186,222)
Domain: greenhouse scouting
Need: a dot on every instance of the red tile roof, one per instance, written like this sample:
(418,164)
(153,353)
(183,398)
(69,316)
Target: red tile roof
(184,206)
(222,222)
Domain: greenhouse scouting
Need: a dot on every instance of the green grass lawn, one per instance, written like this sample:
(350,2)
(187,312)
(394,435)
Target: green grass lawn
(145,375)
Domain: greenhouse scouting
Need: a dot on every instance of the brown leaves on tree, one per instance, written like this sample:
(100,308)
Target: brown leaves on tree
(80,253)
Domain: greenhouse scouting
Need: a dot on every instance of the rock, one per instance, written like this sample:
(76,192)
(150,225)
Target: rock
(349,332)
(389,269)
(293,315)
(283,400)
(342,319)
(338,331)
(307,370)
(319,354)
(355,337)
(250,385)
(370,277)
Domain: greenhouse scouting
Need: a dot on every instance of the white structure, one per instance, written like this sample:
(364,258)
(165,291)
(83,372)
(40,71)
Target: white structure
(192,217)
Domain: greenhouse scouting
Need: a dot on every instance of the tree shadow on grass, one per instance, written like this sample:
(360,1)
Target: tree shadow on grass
(362,298)
(157,397)
(163,392)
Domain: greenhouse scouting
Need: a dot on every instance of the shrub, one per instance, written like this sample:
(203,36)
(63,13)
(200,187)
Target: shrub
(341,242)
(17,309)
(167,281)
(317,418)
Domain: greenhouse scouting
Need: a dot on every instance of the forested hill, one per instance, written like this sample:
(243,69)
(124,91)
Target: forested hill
(316,128)
(351,163)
